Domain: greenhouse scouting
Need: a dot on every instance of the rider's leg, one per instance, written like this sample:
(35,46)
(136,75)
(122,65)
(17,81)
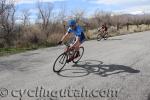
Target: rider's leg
(103,33)
(77,47)
(106,34)
(77,44)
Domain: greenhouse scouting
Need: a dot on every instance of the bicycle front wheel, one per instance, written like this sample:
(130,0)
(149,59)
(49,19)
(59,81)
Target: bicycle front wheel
(99,37)
(81,52)
(60,62)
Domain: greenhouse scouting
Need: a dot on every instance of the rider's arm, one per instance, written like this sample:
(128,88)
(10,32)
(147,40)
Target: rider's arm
(99,29)
(65,36)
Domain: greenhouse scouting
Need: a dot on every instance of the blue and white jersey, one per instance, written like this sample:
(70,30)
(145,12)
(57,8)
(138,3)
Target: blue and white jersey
(78,31)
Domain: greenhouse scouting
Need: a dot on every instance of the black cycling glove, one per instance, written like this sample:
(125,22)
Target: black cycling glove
(60,42)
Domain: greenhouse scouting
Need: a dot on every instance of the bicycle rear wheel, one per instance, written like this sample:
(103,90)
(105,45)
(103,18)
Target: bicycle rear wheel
(81,52)
(60,62)
(106,36)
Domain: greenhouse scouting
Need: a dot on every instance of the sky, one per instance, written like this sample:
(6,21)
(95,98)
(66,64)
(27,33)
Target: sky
(89,6)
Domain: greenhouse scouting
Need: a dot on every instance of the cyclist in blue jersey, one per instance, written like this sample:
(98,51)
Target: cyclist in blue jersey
(78,33)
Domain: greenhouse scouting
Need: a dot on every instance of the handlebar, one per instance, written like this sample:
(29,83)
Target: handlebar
(66,44)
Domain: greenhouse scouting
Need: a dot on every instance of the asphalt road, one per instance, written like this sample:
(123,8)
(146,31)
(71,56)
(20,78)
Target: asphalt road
(115,69)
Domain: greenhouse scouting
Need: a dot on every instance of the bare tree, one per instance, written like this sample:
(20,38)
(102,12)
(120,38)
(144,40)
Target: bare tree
(126,20)
(116,21)
(45,13)
(102,17)
(147,19)
(97,16)
(107,18)
(137,21)
(7,20)
(3,6)
(25,17)
(62,13)
(62,16)
(78,14)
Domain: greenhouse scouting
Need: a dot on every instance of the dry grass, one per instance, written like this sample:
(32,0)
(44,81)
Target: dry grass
(54,38)
(134,28)
(91,34)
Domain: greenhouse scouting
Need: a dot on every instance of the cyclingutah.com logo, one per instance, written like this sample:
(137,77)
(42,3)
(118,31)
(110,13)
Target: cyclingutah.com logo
(69,92)
(3,92)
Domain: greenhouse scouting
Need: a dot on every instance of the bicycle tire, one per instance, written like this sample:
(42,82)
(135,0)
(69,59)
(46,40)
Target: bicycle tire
(63,55)
(99,37)
(76,61)
(106,36)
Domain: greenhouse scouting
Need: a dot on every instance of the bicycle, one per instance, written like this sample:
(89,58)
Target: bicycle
(102,35)
(66,57)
